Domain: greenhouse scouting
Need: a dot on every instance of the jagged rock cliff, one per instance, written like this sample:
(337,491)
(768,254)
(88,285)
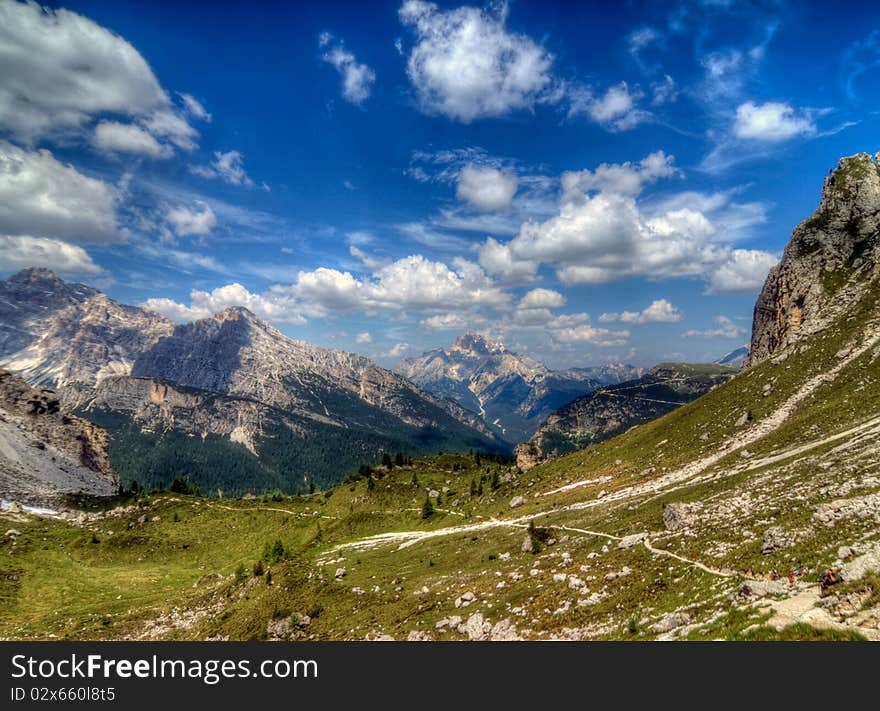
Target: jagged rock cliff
(828,262)
(70,336)
(45,452)
(512,393)
(611,410)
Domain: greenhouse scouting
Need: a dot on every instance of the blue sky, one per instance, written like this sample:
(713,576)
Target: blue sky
(587,185)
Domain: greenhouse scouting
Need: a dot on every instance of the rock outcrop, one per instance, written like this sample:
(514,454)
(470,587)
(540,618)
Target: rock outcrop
(46,452)
(827,263)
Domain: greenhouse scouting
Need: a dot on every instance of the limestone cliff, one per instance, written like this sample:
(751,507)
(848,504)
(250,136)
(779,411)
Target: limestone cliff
(828,262)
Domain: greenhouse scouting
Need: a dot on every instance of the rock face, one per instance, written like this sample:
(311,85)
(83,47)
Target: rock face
(70,336)
(614,409)
(237,354)
(512,393)
(827,263)
(45,452)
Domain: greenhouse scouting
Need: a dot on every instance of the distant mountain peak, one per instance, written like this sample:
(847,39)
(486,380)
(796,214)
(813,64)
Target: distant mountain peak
(476,343)
(35,274)
(236,313)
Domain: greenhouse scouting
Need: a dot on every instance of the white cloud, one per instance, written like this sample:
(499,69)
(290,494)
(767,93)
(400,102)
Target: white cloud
(274,305)
(45,198)
(588,334)
(228,166)
(622,178)
(465,64)
(486,188)
(410,283)
(610,235)
(357,78)
(194,107)
(363,338)
(453,322)
(365,259)
(658,311)
(532,316)
(498,259)
(542,299)
(744,270)
(115,137)
(773,121)
(615,110)
(191,221)
(664,91)
(22,251)
(726,329)
(59,69)
(398,350)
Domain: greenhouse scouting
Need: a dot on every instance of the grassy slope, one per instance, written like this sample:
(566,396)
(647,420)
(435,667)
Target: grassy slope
(57,582)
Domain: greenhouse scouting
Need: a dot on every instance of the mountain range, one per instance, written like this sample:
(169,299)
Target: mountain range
(512,393)
(228,402)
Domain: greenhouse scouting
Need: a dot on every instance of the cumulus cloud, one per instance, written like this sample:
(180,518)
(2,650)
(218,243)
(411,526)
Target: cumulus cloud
(498,259)
(453,322)
(616,109)
(658,311)
(115,137)
(274,305)
(357,78)
(744,270)
(191,221)
(542,299)
(22,251)
(363,338)
(60,70)
(585,333)
(466,65)
(609,235)
(773,121)
(42,197)
(410,283)
(622,178)
(227,166)
(726,328)
(486,188)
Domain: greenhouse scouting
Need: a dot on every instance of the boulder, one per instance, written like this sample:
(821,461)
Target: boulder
(670,621)
(631,540)
(775,538)
(677,516)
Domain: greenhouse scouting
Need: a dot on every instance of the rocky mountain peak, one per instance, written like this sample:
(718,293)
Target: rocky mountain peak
(827,263)
(44,287)
(236,313)
(478,344)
